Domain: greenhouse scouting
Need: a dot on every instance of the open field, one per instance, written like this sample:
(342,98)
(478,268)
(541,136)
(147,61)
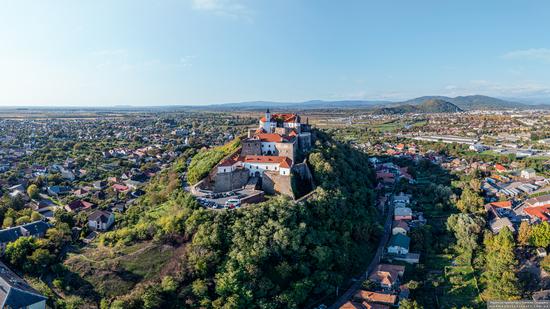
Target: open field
(115,272)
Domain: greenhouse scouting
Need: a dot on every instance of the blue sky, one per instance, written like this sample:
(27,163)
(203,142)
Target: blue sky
(103,52)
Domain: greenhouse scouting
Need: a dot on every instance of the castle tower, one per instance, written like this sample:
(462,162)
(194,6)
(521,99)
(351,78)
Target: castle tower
(267,123)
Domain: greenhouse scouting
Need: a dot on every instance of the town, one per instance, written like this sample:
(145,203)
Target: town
(227,154)
(70,194)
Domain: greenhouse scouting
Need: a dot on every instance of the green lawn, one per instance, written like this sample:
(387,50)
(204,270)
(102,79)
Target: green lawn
(460,288)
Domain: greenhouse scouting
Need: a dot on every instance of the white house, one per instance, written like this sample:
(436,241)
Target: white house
(101,220)
(528,173)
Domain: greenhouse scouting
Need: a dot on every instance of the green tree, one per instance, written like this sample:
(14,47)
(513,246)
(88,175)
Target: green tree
(22,220)
(33,191)
(18,250)
(540,235)
(499,276)
(8,222)
(470,201)
(409,304)
(466,229)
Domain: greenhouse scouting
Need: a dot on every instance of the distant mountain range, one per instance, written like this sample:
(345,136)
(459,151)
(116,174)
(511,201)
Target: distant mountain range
(471,102)
(426,106)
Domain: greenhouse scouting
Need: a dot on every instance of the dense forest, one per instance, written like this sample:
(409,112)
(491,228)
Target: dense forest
(276,254)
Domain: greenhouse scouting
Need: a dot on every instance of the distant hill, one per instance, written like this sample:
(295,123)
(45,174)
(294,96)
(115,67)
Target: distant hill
(427,106)
(471,102)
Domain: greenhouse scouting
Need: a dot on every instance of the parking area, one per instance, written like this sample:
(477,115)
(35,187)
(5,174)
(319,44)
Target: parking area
(222,200)
(228,200)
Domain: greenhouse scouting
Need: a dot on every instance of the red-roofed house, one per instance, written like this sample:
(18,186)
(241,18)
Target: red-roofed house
(387,275)
(120,188)
(78,205)
(500,168)
(257,164)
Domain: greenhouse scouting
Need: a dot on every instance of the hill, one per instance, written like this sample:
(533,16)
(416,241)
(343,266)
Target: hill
(427,106)
(276,254)
(471,102)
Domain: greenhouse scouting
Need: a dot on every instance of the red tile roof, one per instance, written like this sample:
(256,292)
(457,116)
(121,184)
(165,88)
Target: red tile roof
(376,297)
(120,187)
(265,159)
(270,137)
(283,117)
(503,204)
(79,204)
(541,212)
(352,305)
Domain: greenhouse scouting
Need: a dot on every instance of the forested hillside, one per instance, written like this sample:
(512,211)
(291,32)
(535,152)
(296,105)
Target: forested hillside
(277,254)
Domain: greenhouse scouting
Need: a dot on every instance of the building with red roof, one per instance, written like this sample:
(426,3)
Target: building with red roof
(78,205)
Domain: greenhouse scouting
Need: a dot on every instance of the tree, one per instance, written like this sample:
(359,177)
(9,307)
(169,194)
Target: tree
(41,258)
(17,251)
(524,233)
(22,220)
(8,222)
(409,304)
(33,191)
(499,276)
(466,229)
(470,201)
(35,216)
(540,235)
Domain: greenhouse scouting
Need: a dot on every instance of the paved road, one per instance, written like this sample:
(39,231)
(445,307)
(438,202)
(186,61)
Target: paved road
(379,252)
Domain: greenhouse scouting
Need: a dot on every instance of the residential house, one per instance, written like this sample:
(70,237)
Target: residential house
(34,229)
(16,293)
(100,184)
(500,168)
(78,205)
(375,297)
(101,220)
(499,223)
(536,208)
(402,213)
(400,227)
(81,192)
(59,190)
(387,275)
(399,244)
(528,173)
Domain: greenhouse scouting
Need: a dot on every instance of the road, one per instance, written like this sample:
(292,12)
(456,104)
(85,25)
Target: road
(375,259)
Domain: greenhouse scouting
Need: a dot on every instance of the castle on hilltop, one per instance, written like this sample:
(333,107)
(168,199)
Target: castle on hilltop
(268,155)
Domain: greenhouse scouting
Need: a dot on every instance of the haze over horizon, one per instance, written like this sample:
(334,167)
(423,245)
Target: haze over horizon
(192,52)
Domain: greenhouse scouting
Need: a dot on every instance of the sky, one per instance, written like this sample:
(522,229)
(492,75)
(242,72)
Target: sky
(190,52)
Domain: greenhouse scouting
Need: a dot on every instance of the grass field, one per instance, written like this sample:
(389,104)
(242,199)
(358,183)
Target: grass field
(460,289)
(115,272)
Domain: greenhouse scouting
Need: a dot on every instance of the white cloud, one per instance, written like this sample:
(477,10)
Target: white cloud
(227,8)
(539,54)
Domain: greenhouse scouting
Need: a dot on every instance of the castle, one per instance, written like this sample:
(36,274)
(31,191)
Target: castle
(268,154)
